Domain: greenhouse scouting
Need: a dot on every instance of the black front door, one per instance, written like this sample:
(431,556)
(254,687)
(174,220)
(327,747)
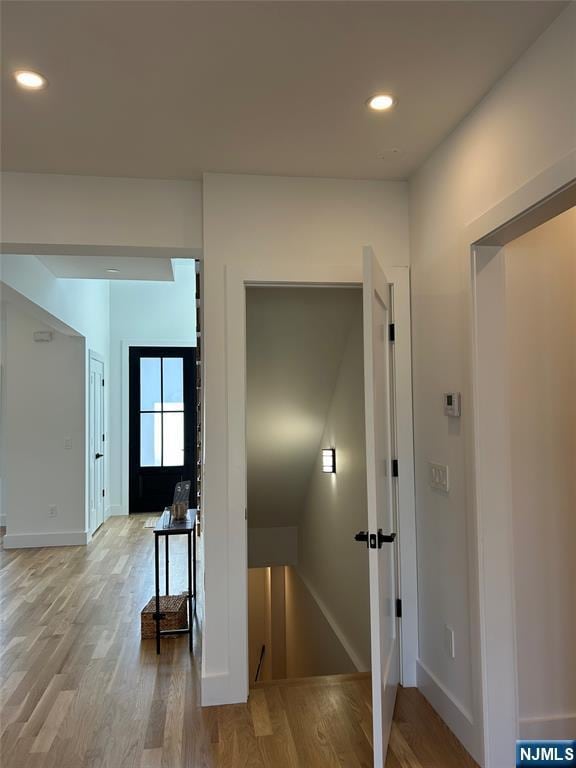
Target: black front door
(162,405)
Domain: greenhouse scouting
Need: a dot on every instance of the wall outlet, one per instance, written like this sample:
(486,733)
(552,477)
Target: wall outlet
(449,641)
(438,477)
(52,510)
(68,443)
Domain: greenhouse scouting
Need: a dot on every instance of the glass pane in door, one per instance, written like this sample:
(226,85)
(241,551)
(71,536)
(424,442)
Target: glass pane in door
(173,381)
(150,384)
(150,440)
(173,439)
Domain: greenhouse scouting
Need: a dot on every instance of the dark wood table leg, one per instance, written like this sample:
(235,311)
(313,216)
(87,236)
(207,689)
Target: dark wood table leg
(190,614)
(157,575)
(167,567)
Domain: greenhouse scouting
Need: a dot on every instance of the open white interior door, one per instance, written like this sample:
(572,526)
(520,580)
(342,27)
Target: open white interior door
(381,544)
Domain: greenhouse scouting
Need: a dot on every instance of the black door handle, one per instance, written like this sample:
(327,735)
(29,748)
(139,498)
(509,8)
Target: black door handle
(362,536)
(374,540)
(99,455)
(385,538)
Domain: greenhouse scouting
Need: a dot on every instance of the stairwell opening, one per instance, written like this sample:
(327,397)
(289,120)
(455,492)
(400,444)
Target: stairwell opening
(308,587)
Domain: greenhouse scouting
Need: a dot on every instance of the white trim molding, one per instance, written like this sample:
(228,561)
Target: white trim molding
(491,538)
(558,726)
(237,277)
(454,714)
(216,689)
(52,539)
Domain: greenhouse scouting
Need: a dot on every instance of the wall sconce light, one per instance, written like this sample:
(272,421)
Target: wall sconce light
(329,460)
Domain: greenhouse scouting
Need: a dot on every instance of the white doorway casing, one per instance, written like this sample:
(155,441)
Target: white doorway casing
(491,562)
(237,278)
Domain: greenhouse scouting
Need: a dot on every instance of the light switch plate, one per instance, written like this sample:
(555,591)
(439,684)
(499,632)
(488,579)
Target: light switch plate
(438,477)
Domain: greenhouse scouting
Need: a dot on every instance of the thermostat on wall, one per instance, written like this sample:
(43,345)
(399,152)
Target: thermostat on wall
(452,403)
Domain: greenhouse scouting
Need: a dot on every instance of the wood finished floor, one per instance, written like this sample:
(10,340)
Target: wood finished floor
(78,689)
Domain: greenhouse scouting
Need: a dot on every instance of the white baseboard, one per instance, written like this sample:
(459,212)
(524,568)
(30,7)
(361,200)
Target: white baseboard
(215,691)
(361,665)
(454,714)
(52,539)
(561,726)
(115,510)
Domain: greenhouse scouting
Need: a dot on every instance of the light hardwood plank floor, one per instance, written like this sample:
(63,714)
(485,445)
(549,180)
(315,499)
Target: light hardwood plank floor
(79,689)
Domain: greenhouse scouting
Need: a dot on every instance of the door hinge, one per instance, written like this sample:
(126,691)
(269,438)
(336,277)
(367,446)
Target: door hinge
(103,492)
(103,438)
(394,467)
(392,332)
(398,607)
(102,382)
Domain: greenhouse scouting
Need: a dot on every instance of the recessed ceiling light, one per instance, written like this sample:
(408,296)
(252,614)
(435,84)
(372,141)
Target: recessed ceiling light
(31,81)
(381,102)
(113,271)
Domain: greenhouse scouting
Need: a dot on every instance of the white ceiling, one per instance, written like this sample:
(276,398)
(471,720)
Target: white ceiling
(94,267)
(172,89)
(295,342)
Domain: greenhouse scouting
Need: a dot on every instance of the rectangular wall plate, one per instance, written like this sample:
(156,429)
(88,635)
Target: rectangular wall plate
(452,404)
(438,477)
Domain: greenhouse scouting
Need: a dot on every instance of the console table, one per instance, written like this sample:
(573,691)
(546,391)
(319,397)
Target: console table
(167,527)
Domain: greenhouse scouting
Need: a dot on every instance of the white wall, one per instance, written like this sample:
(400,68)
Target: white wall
(312,647)
(71,306)
(108,314)
(51,209)
(44,434)
(541,313)
(80,304)
(272,546)
(283,220)
(143,314)
(294,343)
(521,128)
(333,565)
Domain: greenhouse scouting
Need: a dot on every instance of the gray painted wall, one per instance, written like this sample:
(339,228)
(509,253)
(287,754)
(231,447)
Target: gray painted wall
(295,341)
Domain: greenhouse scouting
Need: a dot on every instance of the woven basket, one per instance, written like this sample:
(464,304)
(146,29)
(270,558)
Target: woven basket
(175,615)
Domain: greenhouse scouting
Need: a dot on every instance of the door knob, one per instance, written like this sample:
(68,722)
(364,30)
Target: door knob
(385,538)
(99,455)
(362,536)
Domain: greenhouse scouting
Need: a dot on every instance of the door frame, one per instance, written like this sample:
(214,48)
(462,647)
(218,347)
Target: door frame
(92,355)
(125,405)
(238,277)
(491,565)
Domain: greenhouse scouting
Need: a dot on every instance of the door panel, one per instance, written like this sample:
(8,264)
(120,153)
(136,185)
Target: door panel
(385,650)
(96,443)
(162,417)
